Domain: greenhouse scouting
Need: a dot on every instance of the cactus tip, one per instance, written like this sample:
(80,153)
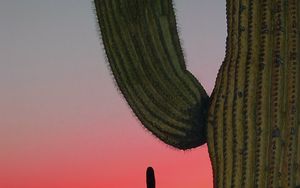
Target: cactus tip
(150,177)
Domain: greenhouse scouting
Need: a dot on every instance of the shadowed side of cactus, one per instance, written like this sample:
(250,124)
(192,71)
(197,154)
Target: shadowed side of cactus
(150,178)
(141,42)
(251,121)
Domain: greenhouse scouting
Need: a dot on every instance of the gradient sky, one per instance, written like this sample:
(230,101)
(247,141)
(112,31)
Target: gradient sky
(63,123)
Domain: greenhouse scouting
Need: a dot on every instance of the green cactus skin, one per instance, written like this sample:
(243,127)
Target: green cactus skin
(252,122)
(150,177)
(143,49)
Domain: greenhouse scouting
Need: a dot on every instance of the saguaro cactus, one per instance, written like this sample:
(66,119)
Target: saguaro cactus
(251,121)
(150,178)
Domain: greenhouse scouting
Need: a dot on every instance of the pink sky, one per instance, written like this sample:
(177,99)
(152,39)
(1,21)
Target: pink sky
(63,123)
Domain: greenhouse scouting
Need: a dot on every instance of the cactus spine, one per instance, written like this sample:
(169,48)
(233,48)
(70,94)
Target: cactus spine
(251,122)
(142,45)
(253,126)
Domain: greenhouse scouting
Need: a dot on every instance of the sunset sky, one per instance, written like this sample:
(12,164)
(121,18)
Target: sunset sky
(63,123)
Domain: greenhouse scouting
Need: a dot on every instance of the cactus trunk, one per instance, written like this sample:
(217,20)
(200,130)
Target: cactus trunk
(253,122)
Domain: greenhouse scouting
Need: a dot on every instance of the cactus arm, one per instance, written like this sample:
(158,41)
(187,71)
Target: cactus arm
(143,49)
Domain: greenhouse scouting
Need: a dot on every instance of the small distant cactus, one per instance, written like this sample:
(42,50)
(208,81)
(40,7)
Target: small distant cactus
(251,121)
(150,178)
